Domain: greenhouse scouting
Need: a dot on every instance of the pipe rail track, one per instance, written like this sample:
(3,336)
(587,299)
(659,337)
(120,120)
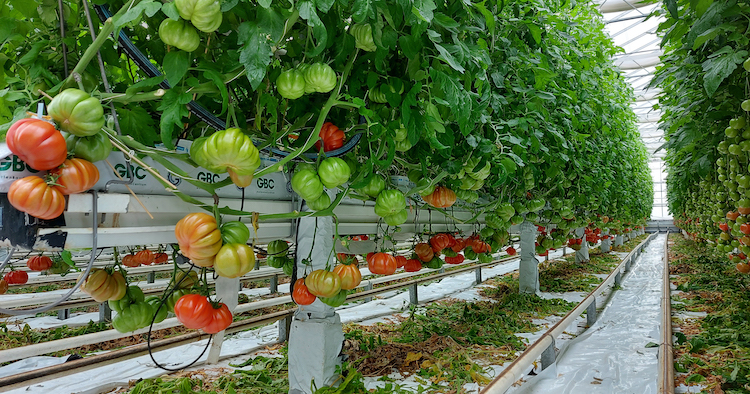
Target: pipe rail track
(666,351)
(544,347)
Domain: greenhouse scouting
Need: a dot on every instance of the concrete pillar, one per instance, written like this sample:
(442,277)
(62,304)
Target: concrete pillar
(528,270)
(582,255)
(316,335)
(618,240)
(606,243)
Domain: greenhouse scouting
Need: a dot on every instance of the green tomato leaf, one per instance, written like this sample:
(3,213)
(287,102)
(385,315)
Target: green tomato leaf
(307,12)
(364,11)
(448,58)
(174,108)
(218,80)
(423,9)
(136,122)
(719,66)
(170,10)
(67,257)
(175,66)
(256,52)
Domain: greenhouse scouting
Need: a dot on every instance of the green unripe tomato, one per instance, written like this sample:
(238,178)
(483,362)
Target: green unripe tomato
(737,123)
(321,203)
(397,218)
(179,34)
(745,105)
(320,77)
(307,184)
(363,37)
(291,84)
(376,95)
(374,187)
(746,65)
(731,132)
(401,133)
(92,148)
(235,232)
(389,202)
(76,112)
(403,146)
(204,14)
(334,172)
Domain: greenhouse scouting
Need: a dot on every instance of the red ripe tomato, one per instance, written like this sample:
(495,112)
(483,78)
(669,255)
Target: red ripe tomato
(382,264)
(37,143)
(3,286)
(39,263)
(745,228)
(369,256)
(364,237)
(439,242)
(194,311)
(349,274)
(144,257)
(332,137)
(34,196)
(16,277)
(731,215)
(511,251)
(221,318)
(459,246)
(161,258)
(76,176)
(400,261)
(130,261)
(424,251)
(441,197)
(480,246)
(413,265)
(301,295)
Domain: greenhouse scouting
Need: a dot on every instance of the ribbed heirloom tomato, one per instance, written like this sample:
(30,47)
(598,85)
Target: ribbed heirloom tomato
(301,294)
(349,274)
(3,286)
(92,148)
(37,143)
(39,263)
(76,112)
(441,197)
(144,257)
(319,77)
(400,261)
(194,311)
(363,37)
(16,277)
(322,283)
(205,15)
(234,232)
(234,260)
(331,137)
(76,176)
(382,264)
(334,172)
(412,265)
(307,184)
(424,251)
(161,258)
(230,151)
(129,261)
(199,238)
(34,196)
(291,84)
(221,318)
(179,34)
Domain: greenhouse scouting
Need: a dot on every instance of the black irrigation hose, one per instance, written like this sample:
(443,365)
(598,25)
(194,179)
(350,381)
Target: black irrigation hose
(153,320)
(197,109)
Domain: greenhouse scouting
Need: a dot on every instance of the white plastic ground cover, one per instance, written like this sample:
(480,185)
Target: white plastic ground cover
(118,374)
(611,356)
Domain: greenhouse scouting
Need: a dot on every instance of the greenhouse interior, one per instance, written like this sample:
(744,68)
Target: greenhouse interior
(374,196)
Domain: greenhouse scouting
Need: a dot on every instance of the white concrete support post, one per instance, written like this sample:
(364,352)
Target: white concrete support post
(316,336)
(606,243)
(582,255)
(226,292)
(618,240)
(528,270)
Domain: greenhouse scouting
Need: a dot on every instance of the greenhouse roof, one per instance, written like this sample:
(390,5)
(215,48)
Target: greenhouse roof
(634,29)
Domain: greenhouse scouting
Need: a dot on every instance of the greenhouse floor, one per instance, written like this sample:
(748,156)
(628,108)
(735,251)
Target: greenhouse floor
(618,353)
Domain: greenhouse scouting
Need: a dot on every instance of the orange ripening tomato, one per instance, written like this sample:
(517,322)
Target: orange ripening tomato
(39,263)
(382,264)
(301,295)
(400,261)
(331,136)
(199,238)
(37,143)
(76,176)
(349,274)
(441,197)
(130,261)
(459,246)
(144,257)
(440,242)
(3,286)
(16,277)
(221,318)
(161,258)
(34,196)
(424,251)
(322,283)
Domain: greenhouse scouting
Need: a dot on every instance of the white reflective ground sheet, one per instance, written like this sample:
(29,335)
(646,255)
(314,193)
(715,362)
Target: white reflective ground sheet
(611,356)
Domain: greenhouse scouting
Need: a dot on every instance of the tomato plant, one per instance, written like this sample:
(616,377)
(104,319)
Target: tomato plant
(34,196)
(37,143)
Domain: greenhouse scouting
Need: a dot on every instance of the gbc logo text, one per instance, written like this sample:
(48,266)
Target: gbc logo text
(15,164)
